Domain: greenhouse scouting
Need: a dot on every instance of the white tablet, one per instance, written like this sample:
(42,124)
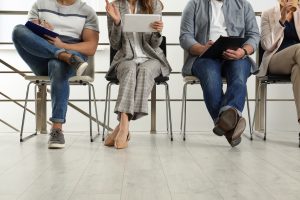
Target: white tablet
(140,22)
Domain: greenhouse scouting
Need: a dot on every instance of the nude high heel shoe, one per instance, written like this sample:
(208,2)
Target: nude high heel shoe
(110,140)
(122,142)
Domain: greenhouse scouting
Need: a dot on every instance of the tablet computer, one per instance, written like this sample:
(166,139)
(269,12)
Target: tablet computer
(39,30)
(222,44)
(140,22)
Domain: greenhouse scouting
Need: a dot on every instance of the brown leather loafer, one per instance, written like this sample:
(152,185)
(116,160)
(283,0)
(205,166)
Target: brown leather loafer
(234,136)
(227,122)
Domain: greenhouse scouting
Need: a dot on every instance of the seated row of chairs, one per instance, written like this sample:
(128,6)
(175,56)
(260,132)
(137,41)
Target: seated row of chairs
(88,78)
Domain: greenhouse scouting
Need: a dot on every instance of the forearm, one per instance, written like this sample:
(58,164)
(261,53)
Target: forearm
(197,49)
(85,48)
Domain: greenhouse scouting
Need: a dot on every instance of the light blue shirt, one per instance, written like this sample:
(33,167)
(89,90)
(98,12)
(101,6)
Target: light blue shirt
(195,26)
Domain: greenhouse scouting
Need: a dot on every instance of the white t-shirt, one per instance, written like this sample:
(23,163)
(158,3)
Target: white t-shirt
(217,24)
(68,21)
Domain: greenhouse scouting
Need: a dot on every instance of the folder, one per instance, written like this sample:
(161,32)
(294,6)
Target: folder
(39,30)
(221,45)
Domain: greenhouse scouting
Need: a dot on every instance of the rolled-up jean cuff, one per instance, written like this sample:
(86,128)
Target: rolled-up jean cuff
(227,107)
(58,52)
(55,120)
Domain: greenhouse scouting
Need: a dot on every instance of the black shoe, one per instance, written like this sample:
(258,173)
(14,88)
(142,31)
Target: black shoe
(227,122)
(78,64)
(56,140)
(234,136)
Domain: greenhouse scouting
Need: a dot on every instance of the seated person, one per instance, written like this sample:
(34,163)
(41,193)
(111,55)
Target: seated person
(199,29)
(280,40)
(60,57)
(138,61)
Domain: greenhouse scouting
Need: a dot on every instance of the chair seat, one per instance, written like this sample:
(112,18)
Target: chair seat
(276,78)
(190,79)
(159,79)
(47,79)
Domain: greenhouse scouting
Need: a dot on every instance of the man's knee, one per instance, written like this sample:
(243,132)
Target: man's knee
(18,32)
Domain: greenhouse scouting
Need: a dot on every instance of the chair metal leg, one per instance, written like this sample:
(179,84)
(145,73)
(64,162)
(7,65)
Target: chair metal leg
(257,99)
(184,110)
(299,140)
(109,99)
(90,117)
(24,113)
(96,111)
(181,116)
(105,108)
(249,115)
(169,108)
(265,133)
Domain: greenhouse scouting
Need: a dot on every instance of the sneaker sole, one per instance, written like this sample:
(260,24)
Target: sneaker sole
(56,146)
(81,69)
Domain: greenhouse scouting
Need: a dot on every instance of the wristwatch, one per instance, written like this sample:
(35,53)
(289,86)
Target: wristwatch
(245,51)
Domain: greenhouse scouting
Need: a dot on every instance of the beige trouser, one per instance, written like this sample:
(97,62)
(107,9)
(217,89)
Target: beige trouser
(287,61)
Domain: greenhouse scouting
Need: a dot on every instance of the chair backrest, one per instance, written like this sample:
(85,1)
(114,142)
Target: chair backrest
(90,70)
(261,52)
(163,46)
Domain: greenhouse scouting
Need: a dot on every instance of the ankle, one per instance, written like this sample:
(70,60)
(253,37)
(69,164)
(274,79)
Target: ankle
(64,56)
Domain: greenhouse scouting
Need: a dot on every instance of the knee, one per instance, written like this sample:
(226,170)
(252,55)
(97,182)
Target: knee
(18,32)
(126,68)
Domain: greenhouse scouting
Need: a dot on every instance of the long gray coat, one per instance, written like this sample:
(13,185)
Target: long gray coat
(124,42)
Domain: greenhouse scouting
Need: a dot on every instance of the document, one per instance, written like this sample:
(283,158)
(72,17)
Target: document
(221,45)
(39,30)
(140,22)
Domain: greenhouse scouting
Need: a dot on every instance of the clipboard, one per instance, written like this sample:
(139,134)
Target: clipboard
(221,45)
(39,30)
(140,22)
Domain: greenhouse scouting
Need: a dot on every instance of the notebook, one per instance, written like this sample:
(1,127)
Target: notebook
(140,22)
(39,30)
(221,45)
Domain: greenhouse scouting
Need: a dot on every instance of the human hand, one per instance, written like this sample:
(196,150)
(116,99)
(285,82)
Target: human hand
(55,41)
(46,24)
(158,26)
(286,9)
(113,12)
(206,46)
(230,54)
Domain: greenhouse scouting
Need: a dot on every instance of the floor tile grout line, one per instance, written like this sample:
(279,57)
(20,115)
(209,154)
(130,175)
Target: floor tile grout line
(46,168)
(196,162)
(85,170)
(164,172)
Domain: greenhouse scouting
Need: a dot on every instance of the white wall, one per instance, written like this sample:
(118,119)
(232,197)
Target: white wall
(281,115)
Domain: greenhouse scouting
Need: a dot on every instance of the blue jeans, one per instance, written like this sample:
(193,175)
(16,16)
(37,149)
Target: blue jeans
(42,58)
(210,73)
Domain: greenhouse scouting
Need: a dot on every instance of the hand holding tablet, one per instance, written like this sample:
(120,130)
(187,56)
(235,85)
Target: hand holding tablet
(39,30)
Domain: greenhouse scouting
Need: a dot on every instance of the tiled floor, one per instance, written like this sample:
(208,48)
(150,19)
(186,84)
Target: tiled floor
(203,167)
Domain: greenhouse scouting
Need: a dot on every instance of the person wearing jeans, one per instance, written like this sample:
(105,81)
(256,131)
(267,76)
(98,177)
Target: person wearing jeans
(203,22)
(60,57)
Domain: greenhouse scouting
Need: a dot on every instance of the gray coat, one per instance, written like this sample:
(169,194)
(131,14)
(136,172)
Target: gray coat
(195,26)
(124,41)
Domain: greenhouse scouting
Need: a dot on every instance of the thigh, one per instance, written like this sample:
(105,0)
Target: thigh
(151,67)
(126,68)
(237,70)
(283,61)
(208,71)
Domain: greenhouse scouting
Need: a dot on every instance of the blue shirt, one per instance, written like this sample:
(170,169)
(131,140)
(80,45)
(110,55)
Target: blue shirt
(195,26)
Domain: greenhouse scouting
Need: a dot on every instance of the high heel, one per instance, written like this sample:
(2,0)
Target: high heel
(120,143)
(110,140)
